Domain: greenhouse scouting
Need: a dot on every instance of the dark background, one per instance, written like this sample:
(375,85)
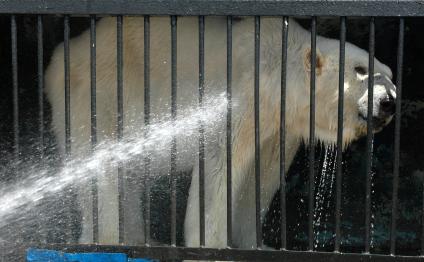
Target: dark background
(49,224)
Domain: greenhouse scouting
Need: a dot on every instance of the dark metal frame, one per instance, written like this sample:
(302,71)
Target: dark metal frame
(174,8)
(217,7)
(228,254)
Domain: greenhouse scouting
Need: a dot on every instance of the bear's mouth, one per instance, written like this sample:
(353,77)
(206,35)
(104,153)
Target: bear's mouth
(378,123)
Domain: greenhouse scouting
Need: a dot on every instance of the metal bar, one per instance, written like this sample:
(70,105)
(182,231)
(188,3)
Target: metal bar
(340,132)
(229,130)
(146,123)
(67,83)
(312,132)
(422,224)
(67,87)
(201,131)
(399,69)
(174,141)
(217,7)
(93,116)
(40,75)
(120,119)
(369,137)
(284,44)
(225,254)
(257,134)
(14,47)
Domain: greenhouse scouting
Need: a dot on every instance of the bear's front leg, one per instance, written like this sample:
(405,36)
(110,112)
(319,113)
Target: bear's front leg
(243,219)
(215,205)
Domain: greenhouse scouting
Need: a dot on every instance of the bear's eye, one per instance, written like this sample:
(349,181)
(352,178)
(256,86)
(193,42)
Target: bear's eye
(361,70)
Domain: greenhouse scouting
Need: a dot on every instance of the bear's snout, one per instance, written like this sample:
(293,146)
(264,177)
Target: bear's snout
(387,106)
(384,102)
(385,94)
(386,110)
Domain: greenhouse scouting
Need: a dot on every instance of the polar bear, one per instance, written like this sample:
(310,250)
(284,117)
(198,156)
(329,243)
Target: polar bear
(297,111)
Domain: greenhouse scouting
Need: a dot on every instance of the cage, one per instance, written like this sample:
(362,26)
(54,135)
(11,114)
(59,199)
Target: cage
(331,204)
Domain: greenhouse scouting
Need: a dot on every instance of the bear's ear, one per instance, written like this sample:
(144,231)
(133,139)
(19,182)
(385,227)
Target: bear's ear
(320,61)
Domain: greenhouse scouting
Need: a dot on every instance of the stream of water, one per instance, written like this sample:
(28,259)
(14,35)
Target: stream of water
(21,197)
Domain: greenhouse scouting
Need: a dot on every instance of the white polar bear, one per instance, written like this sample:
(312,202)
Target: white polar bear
(297,111)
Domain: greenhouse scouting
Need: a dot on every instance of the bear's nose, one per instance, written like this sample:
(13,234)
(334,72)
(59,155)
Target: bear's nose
(388,106)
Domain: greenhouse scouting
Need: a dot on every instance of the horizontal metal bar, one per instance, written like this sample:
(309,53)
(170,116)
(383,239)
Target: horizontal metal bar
(217,7)
(227,254)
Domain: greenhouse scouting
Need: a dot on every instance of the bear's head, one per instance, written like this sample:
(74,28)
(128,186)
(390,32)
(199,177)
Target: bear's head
(356,78)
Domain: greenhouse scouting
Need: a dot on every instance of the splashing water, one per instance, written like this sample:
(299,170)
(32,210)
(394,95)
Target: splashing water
(372,218)
(324,191)
(23,196)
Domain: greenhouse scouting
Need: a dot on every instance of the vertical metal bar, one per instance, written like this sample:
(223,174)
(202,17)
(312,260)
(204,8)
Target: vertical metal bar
(399,69)
(67,87)
(422,223)
(93,123)
(369,137)
(40,68)
(40,89)
(201,131)
(229,130)
(67,92)
(257,135)
(14,47)
(340,131)
(174,141)
(284,44)
(120,118)
(312,132)
(146,123)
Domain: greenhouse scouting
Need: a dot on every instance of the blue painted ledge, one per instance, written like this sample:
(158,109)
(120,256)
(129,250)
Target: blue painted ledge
(44,255)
